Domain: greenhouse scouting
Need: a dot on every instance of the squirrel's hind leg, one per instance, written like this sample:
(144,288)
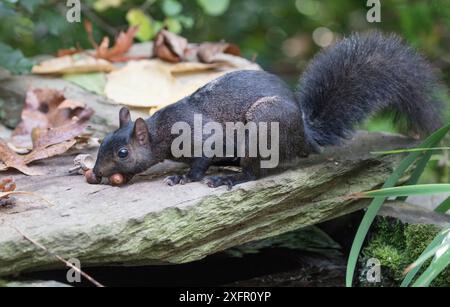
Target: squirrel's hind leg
(229,181)
(250,172)
(195,174)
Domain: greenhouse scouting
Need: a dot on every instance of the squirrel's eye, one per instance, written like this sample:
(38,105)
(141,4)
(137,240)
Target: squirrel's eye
(123,153)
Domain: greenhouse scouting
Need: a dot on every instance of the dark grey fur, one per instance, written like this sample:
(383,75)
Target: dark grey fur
(361,75)
(345,84)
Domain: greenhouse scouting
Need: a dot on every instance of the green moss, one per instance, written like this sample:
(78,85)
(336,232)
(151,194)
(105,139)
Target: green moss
(390,257)
(417,238)
(389,232)
(397,245)
(2,283)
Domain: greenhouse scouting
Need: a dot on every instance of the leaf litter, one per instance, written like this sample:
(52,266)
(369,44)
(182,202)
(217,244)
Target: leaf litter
(50,126)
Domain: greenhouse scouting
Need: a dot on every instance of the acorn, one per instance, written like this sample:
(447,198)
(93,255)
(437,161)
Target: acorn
(91,178)
(117,180)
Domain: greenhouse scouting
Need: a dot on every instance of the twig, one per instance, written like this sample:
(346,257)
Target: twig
(98,21)
(68,264)
(12,193)
(147,4)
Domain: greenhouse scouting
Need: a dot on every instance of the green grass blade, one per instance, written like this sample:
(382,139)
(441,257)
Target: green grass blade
(432,251)
(444,207)
(408,150)
(378,202)
(419,189)
(413,272)
(434,269)
(420,168)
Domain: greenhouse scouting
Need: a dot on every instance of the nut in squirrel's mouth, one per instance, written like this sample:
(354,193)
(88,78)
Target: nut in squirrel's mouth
(116,179)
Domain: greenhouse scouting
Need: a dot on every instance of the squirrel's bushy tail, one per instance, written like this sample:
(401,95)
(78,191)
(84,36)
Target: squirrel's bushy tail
(361,75)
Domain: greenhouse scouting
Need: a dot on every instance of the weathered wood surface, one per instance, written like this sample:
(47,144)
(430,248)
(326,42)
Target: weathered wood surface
(414,214)
(150,223)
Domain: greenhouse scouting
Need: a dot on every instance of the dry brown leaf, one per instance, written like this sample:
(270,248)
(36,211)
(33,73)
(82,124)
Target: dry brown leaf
(13,160)
(71,104)
(78,63)
(123,43)
(174,48)
(39,111)
(207,52)
(7,185)
(230,60)
(140,84)
(70,51)
(50,127)
(46,137)
(155,83)
(47,109)
(189,67)
(42,153)
(19,162)
(169,46)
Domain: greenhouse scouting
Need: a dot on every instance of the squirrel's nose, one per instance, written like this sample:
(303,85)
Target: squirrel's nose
(97,172)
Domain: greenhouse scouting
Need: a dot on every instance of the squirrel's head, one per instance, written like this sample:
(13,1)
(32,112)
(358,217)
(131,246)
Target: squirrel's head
(126,151)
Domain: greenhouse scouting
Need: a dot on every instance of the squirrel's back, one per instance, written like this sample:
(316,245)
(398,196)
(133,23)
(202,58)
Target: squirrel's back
(361,75)
(235,92)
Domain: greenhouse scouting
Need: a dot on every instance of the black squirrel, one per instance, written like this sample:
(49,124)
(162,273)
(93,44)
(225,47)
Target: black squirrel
(343,85)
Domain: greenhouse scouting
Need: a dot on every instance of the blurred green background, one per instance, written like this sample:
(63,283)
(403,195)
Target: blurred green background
(281,35)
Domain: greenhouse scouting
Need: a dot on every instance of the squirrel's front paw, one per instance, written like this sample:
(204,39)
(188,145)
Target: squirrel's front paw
(174,180)
(217,181)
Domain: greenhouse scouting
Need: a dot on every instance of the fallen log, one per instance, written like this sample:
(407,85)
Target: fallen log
(150,223)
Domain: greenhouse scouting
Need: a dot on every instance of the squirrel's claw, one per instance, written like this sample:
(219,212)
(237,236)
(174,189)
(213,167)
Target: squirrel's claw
(217,181)
(174,180)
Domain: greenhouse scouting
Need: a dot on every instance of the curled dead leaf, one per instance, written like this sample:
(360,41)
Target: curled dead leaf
(169,46)
(123,43)
(223,59)
(19,162)
(46,109)
(189,67)
(42,153)
(42,138)
(78,63)
(207,52)
(50,127)
(71,104)
(174,48)
(12,160)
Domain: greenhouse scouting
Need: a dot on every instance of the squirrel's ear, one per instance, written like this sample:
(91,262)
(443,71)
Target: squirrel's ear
(140,132)
(124,117)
